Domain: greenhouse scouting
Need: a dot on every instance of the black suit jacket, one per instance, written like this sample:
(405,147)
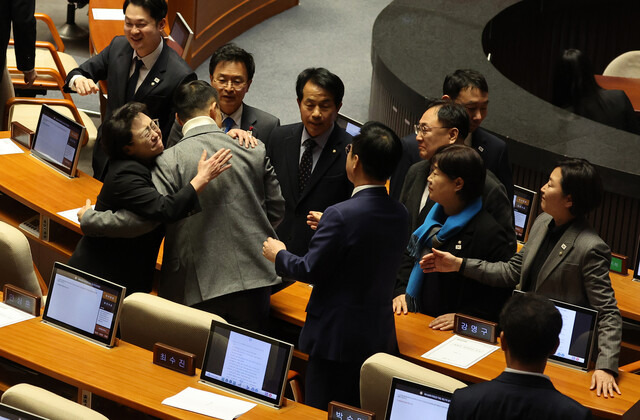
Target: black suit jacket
(328,184)
(20,13)
(514,396)
(156,91)
(131,262)
(610,107)
(492,150)
(261,124)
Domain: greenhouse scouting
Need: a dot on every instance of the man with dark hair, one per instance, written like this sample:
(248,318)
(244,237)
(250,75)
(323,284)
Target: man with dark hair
(231,71)
(530,328)
(469,88)
(212,258)
(444,122)
(352,261)
(138,66)
(309,156)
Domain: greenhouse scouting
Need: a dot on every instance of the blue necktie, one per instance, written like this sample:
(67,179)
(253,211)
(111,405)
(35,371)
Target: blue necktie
(228,123)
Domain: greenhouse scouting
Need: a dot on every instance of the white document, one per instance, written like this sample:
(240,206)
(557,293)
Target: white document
(460,351)
(209,404)
(107,14)
(8,147)
(72,214)
(10,315)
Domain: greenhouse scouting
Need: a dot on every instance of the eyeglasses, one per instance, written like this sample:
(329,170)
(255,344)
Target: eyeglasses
(424,129)
(154,126)
(235,84)
(347,148)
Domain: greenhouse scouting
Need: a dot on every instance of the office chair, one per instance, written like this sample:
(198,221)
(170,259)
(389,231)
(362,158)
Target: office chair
(378,371)
(16,262)
(47,404)
(624,65)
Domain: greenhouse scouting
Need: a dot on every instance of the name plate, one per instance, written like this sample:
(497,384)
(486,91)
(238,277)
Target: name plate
(21,299)
(174,359)
(477,328)
(339,411)
(619,264)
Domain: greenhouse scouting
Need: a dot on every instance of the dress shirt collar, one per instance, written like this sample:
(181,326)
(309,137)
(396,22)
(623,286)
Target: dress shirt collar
(150,59)
(524,372)
(468,141)
(236,116)
(365,187)
(320,140)
(197,122)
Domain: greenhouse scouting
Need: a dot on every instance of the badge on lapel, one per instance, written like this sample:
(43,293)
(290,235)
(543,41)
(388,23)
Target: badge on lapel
(156,81)
(563,246)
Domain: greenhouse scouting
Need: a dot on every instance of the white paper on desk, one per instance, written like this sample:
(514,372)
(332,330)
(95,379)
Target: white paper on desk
(209,404)
(10,315)
(73,214)
(460,351)
(107,14)
(8,147)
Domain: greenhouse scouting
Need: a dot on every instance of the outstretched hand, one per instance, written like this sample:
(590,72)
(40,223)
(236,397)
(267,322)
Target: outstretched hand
(245,138)
(604,383)
(209,169)
(313,218)
(439,261)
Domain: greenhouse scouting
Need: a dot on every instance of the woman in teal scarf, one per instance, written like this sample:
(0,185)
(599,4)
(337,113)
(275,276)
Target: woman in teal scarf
(458,224)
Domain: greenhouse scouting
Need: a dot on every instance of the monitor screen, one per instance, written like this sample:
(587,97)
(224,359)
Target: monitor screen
(83,304)
(413,401)
(247,363)
(636,263)
(350,125)
(524,203)
(57,141)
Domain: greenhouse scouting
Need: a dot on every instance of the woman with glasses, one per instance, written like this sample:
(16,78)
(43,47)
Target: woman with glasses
(563,259)
(457,223)
(133,141)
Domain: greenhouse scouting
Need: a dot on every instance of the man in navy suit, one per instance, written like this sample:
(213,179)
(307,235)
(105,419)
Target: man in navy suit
(231,71)
(138,66)
(309,156)
(469,88)
(530,327)
(352,262)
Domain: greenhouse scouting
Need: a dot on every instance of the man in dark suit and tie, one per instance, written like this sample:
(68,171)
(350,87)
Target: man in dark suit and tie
(352,261)
(138,66)
(469,88)
(530,326)
(309,156)
(231,71)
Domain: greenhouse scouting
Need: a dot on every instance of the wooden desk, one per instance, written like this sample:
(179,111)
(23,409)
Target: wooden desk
(627,295)
(415,338)
(124,374)
(630,86)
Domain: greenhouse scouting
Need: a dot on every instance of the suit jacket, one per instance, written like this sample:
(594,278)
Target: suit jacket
(514,396)
(610,107)
(219,250)
(131,262)
(261,123)
(576,271)
(352,261)
(328,184)
(156,91)
(492,150)
(20,13)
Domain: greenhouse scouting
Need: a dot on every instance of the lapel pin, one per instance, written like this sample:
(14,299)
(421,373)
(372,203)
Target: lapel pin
(563,246)
(333,151)
(560,253)
(459,245)
(481,149)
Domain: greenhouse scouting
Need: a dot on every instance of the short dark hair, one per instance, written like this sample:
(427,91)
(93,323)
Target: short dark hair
(191,99)
(531,325)
(157,8)
(323,78)
(581,180)
(462,79)
(452,115)
(458,161)
(232,53)
(573,81)
(379,150)
(116,131)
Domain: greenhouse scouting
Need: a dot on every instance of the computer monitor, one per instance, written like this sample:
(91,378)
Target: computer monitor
(349,124)
(636,263)
(181,34)
(57,141)
(524,209)
(11,413)
(413,401)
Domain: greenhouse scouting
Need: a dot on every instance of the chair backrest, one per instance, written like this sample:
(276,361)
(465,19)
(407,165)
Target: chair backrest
(378,371)
(47,404)
(624,65)
(147,319)
(16,261)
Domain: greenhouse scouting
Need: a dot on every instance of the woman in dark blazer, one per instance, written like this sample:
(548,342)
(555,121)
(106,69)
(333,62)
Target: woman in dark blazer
(133,141)
(563,259)
(458,224)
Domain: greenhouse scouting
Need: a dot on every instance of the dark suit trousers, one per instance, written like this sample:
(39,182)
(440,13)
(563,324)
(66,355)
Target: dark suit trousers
(330,380)
(247,308)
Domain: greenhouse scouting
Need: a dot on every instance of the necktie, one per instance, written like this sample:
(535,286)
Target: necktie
(228,123)
(306,163)
(133,80)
